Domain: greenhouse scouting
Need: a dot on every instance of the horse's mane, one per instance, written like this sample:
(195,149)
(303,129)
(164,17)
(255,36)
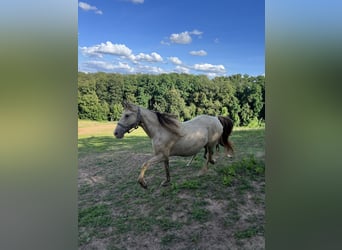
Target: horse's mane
(168,121)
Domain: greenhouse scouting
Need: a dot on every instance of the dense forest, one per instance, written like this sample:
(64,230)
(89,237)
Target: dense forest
(242,97)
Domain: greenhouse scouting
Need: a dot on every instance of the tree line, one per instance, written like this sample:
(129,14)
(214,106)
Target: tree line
(241,97)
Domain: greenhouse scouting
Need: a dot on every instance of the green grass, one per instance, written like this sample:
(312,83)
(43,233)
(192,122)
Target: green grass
(248,233)
(167,239)
(236,173)
(95,216)
(191,184)
(114,208)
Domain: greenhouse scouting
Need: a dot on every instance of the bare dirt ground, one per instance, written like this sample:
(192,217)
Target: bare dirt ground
(194,212)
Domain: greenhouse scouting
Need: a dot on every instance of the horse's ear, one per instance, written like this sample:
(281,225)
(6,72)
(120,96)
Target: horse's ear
(127,105)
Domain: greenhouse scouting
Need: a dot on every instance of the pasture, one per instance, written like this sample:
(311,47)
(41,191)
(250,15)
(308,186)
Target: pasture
(223,209)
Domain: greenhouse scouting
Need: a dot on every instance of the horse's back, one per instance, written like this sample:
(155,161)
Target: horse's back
(202,120)
(207,121)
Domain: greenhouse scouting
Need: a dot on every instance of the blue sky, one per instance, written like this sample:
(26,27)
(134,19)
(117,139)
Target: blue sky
(211,37)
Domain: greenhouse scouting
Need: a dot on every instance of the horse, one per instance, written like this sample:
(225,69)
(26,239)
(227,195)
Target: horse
(170,137)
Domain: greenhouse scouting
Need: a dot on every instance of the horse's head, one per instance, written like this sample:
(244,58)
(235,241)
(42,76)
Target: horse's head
(130,119)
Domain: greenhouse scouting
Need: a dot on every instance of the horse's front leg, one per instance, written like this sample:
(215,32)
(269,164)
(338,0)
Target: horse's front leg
(154,160)
(168,179)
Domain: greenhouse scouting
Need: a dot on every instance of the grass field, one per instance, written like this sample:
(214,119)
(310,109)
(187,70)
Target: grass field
(223,209)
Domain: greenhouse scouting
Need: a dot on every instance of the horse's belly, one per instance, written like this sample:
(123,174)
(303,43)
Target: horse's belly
(190,144)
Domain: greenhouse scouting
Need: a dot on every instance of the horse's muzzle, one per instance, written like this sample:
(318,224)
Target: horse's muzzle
(118,135)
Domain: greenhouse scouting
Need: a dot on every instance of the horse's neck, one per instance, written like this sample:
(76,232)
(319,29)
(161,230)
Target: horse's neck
(150,122)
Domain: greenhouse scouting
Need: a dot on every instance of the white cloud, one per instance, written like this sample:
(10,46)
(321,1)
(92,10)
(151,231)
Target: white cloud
(181,69)
(198,53)
(106,66)
(210,68)
(119,50)
(175,60)
(196,32)
(150,69)
(107,48)
(153,57)
(181,38)
(136,1)
(86,7)
(164,43)
(212,75)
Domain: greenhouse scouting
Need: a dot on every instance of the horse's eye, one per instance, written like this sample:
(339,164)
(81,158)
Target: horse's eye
(127,115)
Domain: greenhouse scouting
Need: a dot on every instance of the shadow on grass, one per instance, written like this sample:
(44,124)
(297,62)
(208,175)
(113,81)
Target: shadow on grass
(244,141)
(107,143)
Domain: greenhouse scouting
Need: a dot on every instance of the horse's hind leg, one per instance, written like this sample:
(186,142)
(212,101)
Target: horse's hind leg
(209,159)
(192,158)
(168,179)
(210,155)
(205,152)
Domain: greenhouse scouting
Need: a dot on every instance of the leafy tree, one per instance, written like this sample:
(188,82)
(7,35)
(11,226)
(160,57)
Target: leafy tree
(89,107)
(116,111)
(246,115)
(241,97)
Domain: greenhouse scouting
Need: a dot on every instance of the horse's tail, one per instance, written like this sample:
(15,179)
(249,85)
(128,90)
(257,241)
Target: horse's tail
(227,124)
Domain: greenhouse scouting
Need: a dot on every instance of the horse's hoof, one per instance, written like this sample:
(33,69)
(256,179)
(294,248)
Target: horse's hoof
(142,183)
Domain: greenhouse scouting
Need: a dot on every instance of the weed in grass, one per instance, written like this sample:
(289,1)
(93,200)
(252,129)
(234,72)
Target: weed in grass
(174,188)
(232,218)
(122,225)
(85,188)
(191,184)
(200,202)
(113,248)
(95,216)
(143,224)
(166,224)
(85,236)
(195,237)
(248,233)
(258,200)
(227,180)
(167,239)
(244,185)
(240,173)
(200,214)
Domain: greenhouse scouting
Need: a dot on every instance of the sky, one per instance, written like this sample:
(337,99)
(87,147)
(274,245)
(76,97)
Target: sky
(210,37)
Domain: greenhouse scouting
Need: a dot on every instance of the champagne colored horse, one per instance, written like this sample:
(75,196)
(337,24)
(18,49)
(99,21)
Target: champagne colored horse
(173,138)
